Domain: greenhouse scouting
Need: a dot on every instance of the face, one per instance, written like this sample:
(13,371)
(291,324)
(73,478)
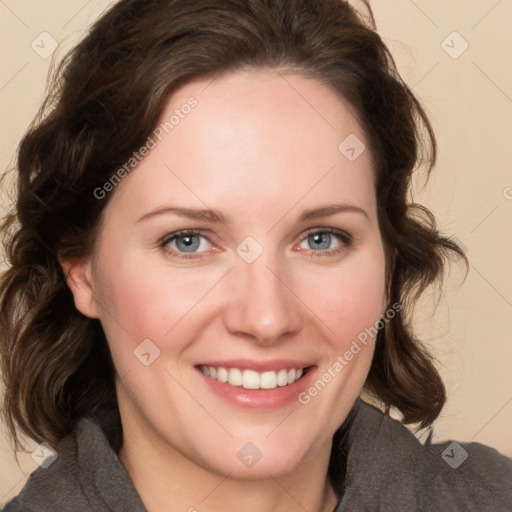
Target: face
(245,246)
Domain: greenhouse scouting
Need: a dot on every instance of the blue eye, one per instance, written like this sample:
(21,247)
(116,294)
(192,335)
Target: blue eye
(186,242)
(320,241)
(326,242)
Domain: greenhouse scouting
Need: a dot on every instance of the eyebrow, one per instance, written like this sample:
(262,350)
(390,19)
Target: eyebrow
(332,209)
(208,215)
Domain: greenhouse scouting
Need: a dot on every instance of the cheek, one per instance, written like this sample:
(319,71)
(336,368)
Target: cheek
(350,299)
(147,301)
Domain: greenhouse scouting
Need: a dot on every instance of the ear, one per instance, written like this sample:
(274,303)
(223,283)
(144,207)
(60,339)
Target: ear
(78,274)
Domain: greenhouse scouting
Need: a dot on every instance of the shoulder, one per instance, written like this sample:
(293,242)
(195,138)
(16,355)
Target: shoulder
(388,464)
(52,486)
(15,506)
(467,473)
(86,476)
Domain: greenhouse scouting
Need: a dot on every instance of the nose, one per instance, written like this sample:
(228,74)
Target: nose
(262,304)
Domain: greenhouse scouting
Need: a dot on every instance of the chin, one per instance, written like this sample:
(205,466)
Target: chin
(261,457)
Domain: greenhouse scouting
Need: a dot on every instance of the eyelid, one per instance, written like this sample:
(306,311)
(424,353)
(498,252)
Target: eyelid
(341,233)
(183,232)
(320,229)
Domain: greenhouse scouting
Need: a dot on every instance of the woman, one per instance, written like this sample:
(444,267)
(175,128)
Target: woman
(215,255)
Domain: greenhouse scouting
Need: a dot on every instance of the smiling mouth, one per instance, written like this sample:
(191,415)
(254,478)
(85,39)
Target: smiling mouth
(250,379)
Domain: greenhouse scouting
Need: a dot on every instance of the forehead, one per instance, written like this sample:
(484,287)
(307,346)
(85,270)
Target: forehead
(252,137)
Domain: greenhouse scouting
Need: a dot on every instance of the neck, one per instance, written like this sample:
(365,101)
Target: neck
(168,481)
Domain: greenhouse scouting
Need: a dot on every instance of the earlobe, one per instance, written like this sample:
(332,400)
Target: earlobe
(78,273)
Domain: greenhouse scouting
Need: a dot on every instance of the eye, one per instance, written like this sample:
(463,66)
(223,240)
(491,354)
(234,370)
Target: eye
(326,241)
(186,242)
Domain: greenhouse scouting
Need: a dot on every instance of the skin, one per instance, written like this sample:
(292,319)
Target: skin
(261,148)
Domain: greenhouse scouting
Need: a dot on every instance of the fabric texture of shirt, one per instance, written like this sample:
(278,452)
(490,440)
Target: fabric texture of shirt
(386,469)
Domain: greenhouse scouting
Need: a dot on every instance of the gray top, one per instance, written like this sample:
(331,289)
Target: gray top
(387,470)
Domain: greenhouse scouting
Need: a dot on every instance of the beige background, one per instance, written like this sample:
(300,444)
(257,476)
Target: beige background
(469,99)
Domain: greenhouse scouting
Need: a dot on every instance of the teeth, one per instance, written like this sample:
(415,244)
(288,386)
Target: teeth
(268,380)
(235,377)
(249,379)
(282,377)
(222,375)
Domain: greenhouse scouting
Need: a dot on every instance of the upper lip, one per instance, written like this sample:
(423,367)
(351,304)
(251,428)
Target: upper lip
(259,366)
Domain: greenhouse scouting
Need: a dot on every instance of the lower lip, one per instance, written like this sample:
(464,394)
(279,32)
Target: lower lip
(260,398)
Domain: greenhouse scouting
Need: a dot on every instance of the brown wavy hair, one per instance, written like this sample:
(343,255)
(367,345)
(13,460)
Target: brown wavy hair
(105,99)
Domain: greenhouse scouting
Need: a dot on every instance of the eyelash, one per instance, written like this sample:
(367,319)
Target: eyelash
(345,238)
